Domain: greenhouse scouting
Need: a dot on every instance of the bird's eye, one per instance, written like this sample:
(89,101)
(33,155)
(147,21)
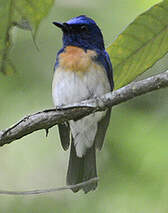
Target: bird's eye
(84,28)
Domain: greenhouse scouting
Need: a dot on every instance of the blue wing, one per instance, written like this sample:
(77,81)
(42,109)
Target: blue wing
(57,61)
(104,59)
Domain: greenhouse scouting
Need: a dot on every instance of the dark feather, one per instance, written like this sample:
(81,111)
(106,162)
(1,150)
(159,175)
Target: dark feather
(64,133)
(75,168)
(89,170)
(102,128)
(82,169)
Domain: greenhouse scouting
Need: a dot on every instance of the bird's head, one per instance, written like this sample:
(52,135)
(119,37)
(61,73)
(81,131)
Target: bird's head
(83,32)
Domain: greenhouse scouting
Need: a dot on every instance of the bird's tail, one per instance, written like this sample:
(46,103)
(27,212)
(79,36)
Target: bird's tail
(82,169)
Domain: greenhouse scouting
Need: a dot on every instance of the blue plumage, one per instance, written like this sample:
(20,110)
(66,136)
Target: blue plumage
(82,70)
(82,19)
(85,34)
(89,38)
(104,59)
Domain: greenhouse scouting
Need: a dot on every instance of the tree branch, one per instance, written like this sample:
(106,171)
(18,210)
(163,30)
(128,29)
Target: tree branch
(48,118)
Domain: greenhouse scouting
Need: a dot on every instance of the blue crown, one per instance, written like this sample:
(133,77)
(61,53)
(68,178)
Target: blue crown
(81,31)
(81,20)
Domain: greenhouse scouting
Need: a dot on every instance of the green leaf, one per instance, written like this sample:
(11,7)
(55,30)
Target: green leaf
(25,14)
(140,45)
(33,10)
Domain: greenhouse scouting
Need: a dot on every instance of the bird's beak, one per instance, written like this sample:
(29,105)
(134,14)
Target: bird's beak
(62,26)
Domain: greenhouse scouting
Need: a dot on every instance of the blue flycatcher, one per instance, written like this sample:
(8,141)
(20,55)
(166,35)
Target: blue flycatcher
(82,71)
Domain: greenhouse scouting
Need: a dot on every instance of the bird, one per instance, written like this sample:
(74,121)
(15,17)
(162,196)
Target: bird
(82,71)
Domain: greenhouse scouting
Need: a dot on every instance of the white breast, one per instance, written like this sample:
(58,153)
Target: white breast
(72,87)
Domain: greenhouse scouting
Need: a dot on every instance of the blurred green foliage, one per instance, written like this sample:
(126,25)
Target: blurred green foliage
(133,163)
(26,14)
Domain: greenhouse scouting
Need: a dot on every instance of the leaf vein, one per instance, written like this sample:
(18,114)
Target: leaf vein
(163,8)
(155,18)
(140,48)
(133,36)
(146,27)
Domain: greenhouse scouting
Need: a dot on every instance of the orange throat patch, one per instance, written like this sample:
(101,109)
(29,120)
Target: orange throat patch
(76,59)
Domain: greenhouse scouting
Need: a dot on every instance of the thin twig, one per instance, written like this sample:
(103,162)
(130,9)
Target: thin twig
(43,191)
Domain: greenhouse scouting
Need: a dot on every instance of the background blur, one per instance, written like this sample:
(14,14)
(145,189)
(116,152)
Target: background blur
(133,165)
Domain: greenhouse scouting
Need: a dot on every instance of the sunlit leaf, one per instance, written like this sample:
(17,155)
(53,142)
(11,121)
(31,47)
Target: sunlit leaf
(25,14)
(140,45)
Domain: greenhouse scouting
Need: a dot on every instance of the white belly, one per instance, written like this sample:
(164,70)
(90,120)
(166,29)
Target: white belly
(73,87)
